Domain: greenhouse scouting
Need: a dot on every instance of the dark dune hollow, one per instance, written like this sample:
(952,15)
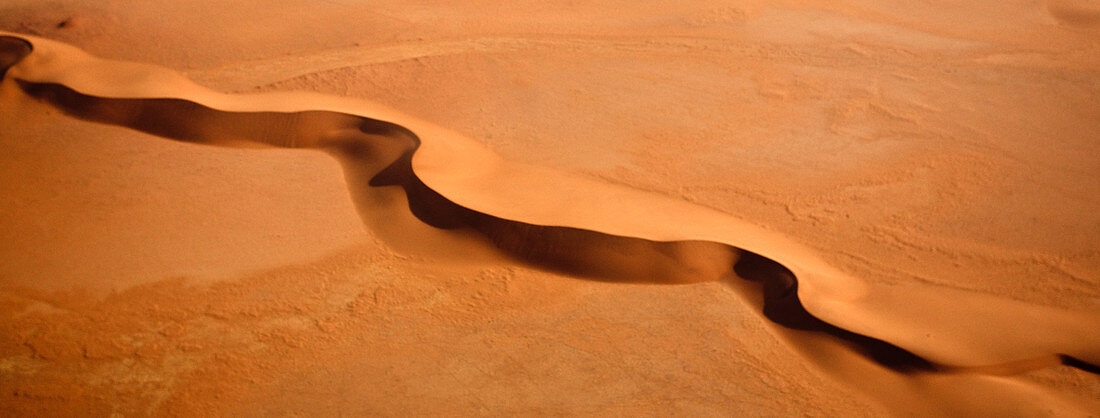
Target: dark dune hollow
(12,50)
(382,152)
(377,156)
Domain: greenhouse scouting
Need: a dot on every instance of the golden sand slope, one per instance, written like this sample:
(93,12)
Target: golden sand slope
(867,332)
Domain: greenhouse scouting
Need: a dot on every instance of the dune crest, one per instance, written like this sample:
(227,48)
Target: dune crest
(567,223)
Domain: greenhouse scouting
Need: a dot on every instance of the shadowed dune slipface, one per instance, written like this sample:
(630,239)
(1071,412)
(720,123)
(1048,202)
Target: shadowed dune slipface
(378,158)
(12,50)
(382,152)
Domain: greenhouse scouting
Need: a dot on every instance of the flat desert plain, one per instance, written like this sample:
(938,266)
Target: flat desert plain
(599,208)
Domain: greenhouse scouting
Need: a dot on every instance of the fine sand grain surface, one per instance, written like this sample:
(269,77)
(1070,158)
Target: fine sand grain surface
(550,208)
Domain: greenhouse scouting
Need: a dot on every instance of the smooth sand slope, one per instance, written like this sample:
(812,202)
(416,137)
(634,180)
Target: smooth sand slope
(421,209)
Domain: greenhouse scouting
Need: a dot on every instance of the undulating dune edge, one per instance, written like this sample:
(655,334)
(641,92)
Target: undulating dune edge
(947,340)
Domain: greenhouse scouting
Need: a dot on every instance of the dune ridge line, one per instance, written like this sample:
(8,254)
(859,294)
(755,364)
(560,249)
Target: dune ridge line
(593,230)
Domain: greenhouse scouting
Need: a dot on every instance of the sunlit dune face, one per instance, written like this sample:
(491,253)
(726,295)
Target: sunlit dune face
(384,208)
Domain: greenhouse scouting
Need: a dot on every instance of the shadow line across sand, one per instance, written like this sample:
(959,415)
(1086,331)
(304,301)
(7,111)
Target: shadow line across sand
(376,156)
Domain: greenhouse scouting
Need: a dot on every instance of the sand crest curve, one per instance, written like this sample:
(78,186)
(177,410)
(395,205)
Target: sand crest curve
(562,222)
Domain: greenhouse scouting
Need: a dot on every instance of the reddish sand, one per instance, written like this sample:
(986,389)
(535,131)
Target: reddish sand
(762,208)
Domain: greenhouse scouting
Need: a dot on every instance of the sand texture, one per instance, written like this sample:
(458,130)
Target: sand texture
(596,208)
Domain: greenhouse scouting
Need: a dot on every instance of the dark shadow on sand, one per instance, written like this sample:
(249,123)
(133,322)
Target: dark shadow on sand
(382,153)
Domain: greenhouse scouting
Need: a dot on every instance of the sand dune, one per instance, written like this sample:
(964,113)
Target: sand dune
(425,190)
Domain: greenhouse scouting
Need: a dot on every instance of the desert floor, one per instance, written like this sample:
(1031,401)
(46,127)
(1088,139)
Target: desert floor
(340,207)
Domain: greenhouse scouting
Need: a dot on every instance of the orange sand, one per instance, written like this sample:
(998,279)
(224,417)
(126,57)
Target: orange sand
(755,209)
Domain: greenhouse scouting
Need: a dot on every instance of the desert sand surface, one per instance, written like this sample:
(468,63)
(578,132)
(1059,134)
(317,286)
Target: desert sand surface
(762,208)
